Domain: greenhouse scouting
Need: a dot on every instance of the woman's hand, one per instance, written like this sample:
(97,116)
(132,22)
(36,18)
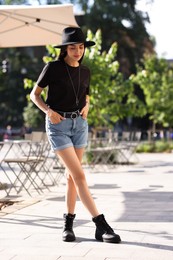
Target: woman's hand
(54,117)
(84,111)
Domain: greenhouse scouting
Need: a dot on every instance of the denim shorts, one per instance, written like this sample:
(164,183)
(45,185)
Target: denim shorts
(67,133)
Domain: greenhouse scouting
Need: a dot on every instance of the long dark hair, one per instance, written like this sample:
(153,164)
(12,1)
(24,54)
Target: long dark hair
(63,54)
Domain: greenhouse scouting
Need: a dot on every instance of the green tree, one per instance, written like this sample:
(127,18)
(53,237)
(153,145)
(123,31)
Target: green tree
(120,22)
(112,97)
(21,62)
(32,116)
(155,79)
(12,94)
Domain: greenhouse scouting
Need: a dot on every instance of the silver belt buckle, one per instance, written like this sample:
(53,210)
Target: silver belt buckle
(73,115)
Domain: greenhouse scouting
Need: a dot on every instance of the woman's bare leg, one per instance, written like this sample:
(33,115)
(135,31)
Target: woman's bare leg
(73,164)
(71,193)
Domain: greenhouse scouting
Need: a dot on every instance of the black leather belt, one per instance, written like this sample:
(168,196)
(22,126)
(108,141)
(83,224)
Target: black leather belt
(71,115)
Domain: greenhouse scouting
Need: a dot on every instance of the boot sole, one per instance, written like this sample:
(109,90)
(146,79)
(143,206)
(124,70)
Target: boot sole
(68,239)
(115,240)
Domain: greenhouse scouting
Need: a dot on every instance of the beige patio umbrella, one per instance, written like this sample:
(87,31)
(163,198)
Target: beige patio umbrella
(34,25)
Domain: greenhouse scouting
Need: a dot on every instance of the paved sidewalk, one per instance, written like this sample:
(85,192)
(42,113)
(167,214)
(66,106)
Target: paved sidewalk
(137,201)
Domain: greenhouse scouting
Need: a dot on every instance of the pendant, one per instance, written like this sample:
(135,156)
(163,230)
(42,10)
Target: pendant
(77,101)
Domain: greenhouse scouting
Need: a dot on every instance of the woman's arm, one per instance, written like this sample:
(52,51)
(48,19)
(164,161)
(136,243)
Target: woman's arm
(35,96)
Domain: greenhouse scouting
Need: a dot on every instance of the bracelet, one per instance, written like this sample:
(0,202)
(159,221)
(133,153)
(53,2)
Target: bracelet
(47,111)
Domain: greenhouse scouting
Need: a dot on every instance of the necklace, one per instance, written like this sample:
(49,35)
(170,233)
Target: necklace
(76,93)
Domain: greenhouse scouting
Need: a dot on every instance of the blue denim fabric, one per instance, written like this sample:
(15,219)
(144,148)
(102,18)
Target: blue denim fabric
(67,133)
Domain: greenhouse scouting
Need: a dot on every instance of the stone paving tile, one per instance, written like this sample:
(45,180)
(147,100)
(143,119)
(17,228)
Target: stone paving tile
(149,253)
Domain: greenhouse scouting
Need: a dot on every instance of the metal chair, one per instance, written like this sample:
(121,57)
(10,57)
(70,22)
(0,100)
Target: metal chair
(27,173)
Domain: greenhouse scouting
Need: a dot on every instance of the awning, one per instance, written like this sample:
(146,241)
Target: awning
(34,25)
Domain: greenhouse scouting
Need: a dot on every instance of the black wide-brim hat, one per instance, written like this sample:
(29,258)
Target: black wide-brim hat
(73,35)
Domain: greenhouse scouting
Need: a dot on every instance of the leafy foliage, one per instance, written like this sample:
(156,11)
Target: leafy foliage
(155,78)
(22,63)
(33,117)
(112,97)
(119,22)
(155,147)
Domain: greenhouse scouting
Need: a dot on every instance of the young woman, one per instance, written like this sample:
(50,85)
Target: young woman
(66,110)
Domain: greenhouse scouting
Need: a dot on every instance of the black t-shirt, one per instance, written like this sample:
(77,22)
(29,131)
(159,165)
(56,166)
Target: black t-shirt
(60,95)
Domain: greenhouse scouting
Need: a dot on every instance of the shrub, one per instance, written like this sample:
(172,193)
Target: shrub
(155,147)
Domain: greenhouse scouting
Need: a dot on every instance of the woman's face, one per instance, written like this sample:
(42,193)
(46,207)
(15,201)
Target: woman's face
(75,51)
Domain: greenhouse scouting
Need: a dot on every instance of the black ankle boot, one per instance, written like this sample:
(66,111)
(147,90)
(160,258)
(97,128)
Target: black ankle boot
(68,234)
(104,232)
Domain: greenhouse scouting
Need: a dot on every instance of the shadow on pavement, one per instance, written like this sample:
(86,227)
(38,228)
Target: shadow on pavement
(147,206)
